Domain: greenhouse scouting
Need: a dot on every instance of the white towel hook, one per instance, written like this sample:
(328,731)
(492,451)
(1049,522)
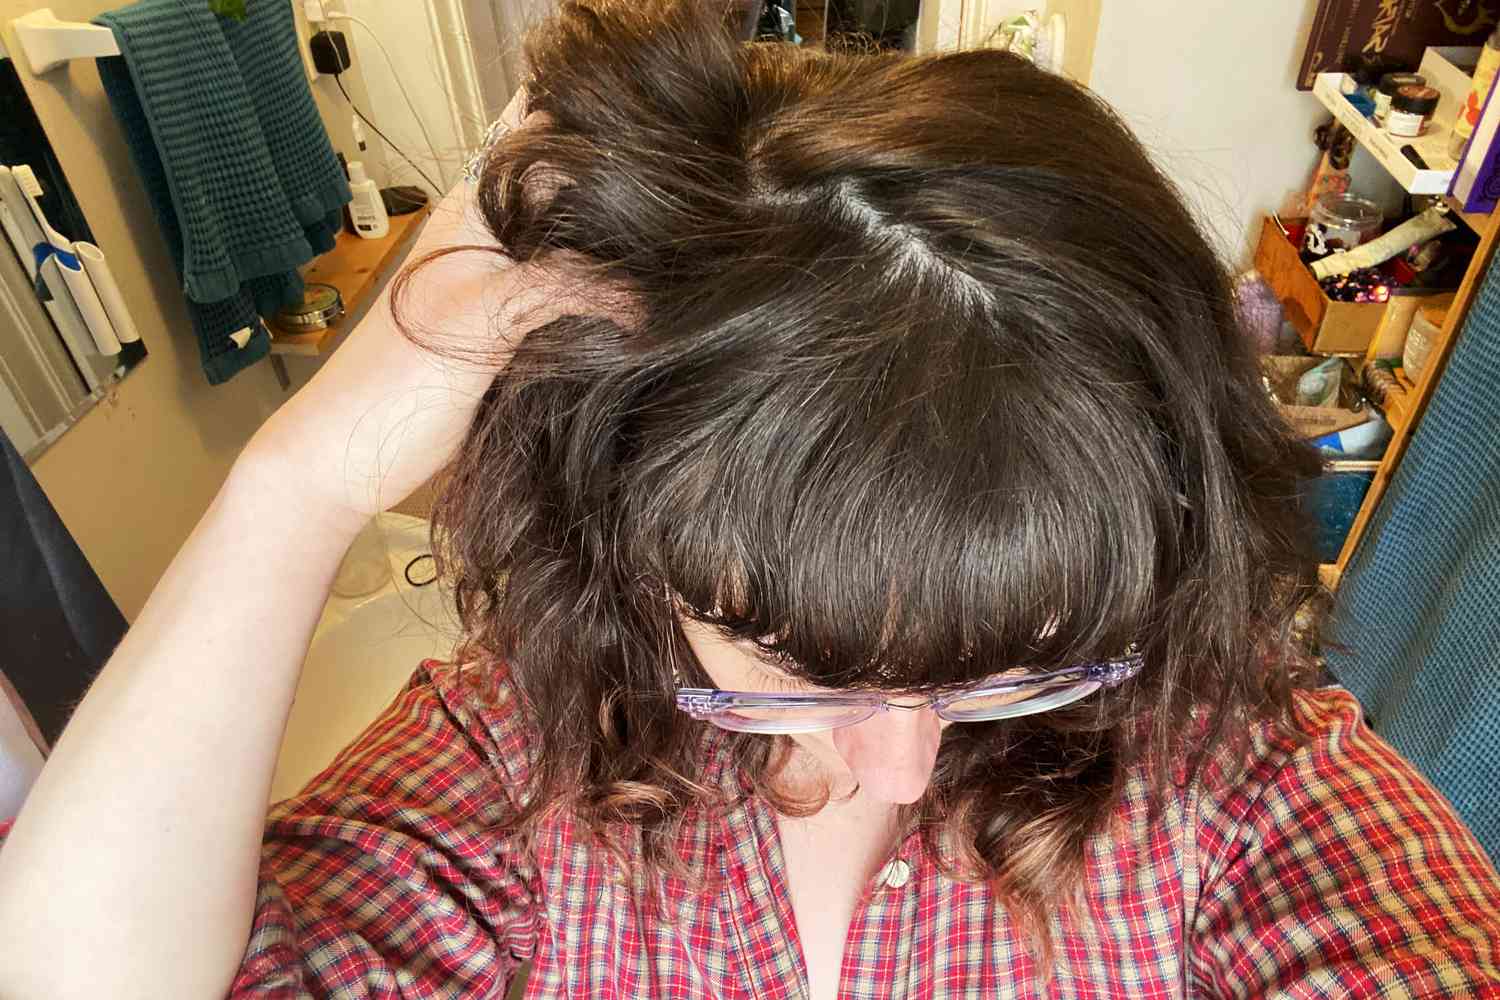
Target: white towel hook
(48,43)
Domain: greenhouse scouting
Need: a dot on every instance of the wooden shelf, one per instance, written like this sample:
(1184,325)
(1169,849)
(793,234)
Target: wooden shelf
(1432,147)
(1403,410)
(357,267)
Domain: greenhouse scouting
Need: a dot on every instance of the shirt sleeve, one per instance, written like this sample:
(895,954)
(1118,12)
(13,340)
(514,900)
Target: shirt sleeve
(1335,870)
(391,874)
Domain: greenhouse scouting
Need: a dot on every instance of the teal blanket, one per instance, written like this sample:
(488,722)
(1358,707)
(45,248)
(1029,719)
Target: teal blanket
(234,156)
(1416,625)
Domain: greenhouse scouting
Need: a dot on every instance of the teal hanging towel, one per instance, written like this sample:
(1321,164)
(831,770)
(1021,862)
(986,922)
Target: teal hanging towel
(234,156)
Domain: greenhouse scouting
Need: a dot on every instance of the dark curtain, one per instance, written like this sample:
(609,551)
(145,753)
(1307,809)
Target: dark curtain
(57,623)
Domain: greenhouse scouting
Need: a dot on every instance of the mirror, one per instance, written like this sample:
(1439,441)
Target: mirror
(65,335)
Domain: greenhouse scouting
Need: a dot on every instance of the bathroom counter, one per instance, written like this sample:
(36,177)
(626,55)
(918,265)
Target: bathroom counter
(358,268)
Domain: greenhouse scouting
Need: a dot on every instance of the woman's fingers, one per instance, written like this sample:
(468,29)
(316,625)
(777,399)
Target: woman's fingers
(393,403)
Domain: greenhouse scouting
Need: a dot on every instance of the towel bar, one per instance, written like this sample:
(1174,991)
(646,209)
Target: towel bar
(47,42)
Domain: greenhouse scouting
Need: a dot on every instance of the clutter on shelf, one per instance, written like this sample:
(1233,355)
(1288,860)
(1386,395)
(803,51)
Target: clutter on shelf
(1343,307)
(1432,126)
(1353,313)
(1323,400)
(1338,280)
(1411,239)
(1403,115)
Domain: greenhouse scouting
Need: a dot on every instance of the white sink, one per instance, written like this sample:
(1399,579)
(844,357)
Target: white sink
(363,652)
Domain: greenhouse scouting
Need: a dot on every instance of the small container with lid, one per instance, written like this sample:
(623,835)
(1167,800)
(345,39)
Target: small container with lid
(321,304)
(1411,111)
(1421,337)
(1386,89)
(1341,222)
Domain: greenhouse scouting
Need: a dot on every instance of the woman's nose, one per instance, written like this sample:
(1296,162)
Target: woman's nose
(892,754)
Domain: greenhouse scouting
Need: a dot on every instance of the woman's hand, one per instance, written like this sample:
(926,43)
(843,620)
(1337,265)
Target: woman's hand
(385,414)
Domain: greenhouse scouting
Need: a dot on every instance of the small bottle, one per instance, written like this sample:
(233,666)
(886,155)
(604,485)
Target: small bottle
(367,209)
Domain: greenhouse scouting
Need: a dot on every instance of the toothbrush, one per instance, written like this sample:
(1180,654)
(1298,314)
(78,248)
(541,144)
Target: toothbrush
(90,257)
(32,189)
(85,295)
(20,226)
(25,235)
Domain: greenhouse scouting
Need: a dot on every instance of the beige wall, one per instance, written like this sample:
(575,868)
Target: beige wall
(1210,89)
(133,476)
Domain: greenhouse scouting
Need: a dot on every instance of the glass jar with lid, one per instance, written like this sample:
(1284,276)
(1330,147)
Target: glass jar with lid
(1341,222)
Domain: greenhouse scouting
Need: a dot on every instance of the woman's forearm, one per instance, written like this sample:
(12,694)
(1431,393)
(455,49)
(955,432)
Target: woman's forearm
(131,869)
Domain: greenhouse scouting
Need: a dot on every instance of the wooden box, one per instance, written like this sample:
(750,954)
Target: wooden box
(1325,326)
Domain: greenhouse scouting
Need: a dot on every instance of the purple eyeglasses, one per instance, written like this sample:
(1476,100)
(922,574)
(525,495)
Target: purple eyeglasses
(993,698)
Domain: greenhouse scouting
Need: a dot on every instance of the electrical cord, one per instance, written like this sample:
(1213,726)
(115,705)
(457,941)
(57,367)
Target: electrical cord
(339,79)
(390,64)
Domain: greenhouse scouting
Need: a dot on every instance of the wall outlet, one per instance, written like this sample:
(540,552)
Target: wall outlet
(314,11)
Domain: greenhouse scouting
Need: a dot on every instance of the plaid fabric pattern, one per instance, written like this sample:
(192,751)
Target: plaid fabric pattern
(1333,870)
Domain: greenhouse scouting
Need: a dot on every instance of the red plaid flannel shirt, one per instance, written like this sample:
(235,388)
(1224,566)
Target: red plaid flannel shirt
(1329,871)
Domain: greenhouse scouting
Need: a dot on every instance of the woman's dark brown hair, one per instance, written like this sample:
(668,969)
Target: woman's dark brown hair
(932,375)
